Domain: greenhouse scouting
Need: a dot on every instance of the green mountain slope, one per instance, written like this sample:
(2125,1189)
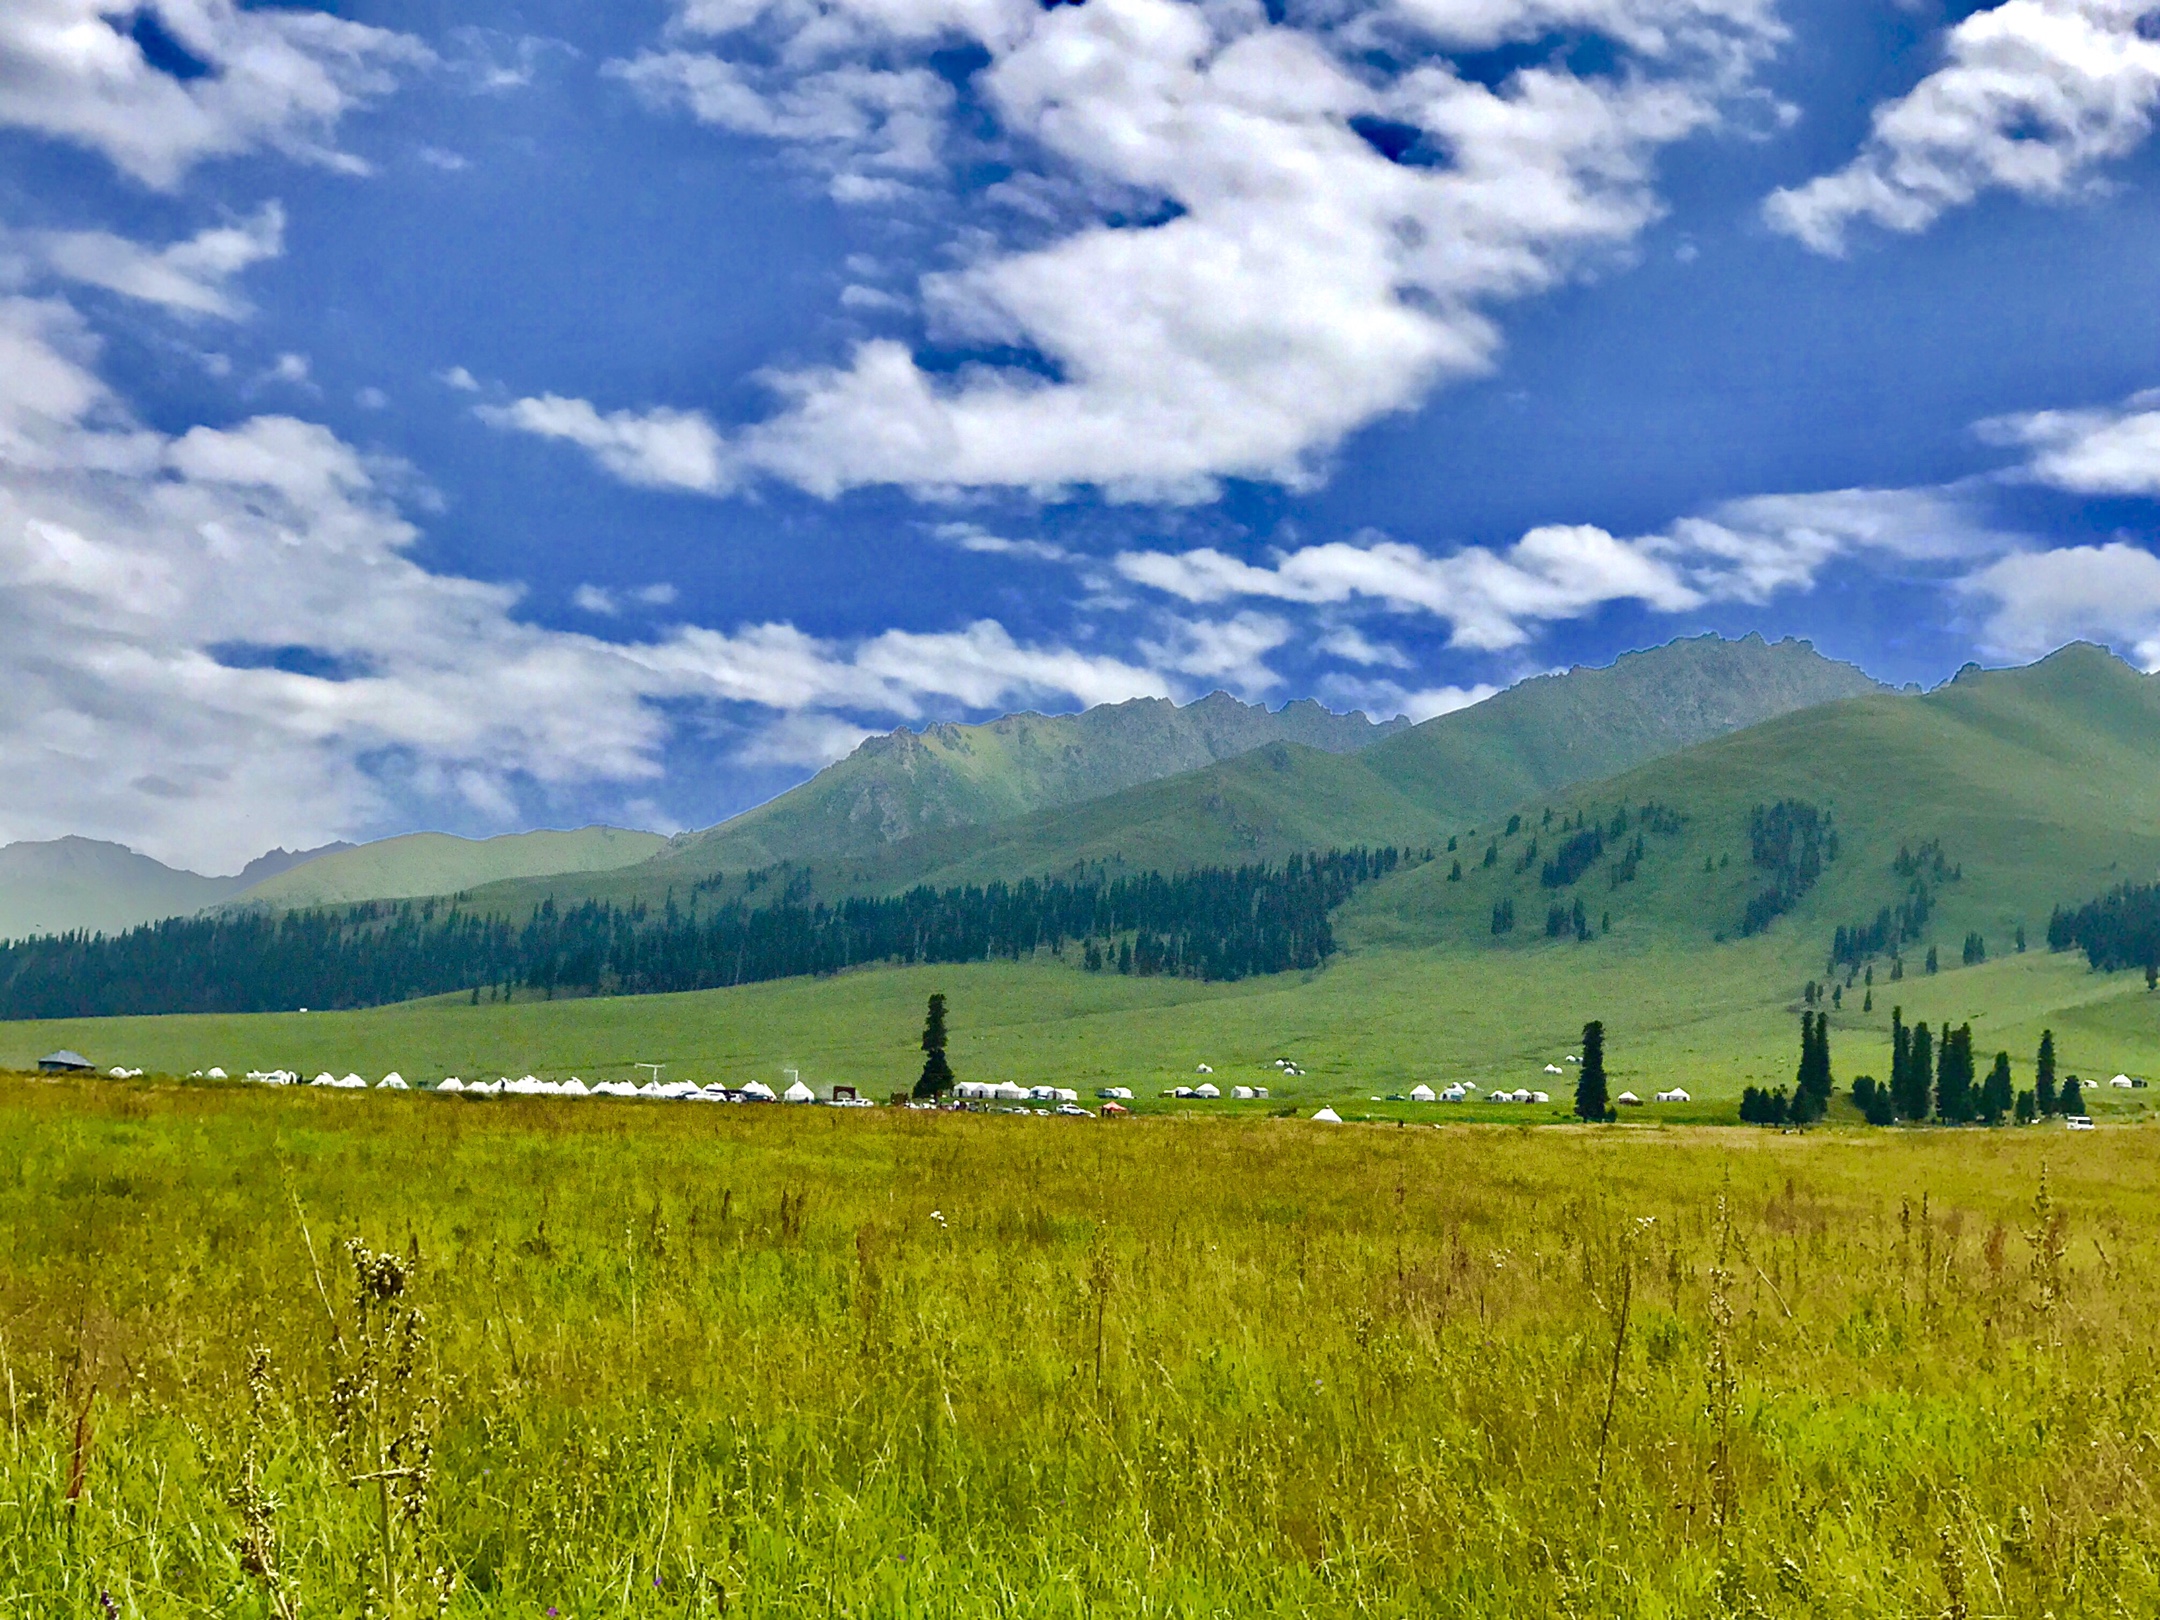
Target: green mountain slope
(2039,785)
(907,783)
(1414,787)
(439,863)
(66,884)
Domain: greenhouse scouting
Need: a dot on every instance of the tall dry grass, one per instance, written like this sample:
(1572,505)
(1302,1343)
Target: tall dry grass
(299,1354)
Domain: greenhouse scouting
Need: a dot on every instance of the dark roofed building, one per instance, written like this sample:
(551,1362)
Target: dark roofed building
(63,1062)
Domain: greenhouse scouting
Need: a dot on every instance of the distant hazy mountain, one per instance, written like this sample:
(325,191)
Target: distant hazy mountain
(83,883)
(906,783)
(439,863)
(65,884)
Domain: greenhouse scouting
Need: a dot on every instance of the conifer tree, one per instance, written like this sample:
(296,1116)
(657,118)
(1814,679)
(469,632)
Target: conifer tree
(1955,1101)
(2073,1100)
(1918,1099)
(1997,1096)
(2044,1074)
(1900,1055)
(1590,1099)
(937,1075)
(2027,1109)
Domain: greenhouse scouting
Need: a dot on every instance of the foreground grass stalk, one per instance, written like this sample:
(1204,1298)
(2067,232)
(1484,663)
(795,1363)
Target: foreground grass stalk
(887,1364)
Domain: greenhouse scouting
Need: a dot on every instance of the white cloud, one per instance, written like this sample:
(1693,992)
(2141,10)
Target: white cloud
(598,599)
(290,368)
(274,77)
(2033,96)
(1490,598)
(462,380)
(1435,701)
(2108,593)
(972,537)
(1293,283)
(1231,653)
(1348,643)
(876,131)
(660,449)
(1741,551)
(2099,452)
(190,278)
(220,641)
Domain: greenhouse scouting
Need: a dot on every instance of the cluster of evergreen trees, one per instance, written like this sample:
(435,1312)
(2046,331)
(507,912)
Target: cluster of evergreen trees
(1929,1078)
(2119,930)
(1790,842)
(1924,871)
(1207,923)
(1810,1098)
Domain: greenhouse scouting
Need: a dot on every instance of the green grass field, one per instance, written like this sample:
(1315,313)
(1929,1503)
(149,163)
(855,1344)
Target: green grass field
(776,1362)
(1371,1024)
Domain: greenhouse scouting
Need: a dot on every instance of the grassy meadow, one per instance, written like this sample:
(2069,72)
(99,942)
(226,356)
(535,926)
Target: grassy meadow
(295,1353)
(1372,1023)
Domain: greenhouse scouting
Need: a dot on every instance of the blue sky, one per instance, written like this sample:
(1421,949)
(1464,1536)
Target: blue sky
(434,415)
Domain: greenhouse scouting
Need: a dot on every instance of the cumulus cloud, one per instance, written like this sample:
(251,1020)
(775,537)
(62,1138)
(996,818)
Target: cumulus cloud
(1226,243)
(2097,452)
(1231,653)
(2032,97)
(220,640)
(190,278)
(875,131)
(158,89)
(2041,599)
(660,449)
(1741,551)
(1490,598)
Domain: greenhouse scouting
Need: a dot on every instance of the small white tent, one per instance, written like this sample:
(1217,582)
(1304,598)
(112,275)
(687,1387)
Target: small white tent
(213,1073)
(1206,1088)
(1007,1091)
(2121,1082)
(1327,1116)
(574,1087)
(798,1093)
(1241,1093)
(1629,1099)
(1423,1093)
(393,1081)
(452,1084)
(326,1078)
(1540,1097)
(1116,1093)
(1203,1069)
(1674,1095)
(1552,1068)
(1453,1094)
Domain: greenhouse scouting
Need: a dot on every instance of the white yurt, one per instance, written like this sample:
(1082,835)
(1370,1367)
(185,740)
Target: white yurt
(1628,1099)
(1552,1068)
(759,1091)
(1423,1093)
(1067,1094)
(798,1093)
(1008,1092)
(574,1087)
(1042,1094)
(213,1074)
(1206,1088)
(452,1084)
(1203,1069)
(1259,1091)
(1241,1093)
(1674,1095)
(1116,1093)
(1454,1094)
(1327,1116)
(2121,1082)
(1541,1096)
(352,1082)
(326,1078)
(393,1081)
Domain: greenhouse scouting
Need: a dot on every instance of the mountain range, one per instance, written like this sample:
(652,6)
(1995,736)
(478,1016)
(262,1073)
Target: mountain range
(1143,784)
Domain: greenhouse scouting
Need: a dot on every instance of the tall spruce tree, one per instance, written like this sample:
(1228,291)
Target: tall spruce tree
(937,1075)
(2044,1097)
(1900,1054)
(2073,1100)
(1919,1099)
(1955,1102)
(1590,1099)
(1998,1096)
(1811,1086)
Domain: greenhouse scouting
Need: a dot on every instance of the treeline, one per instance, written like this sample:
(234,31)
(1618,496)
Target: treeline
(2119,930)
(1931,1077)
(1206,923)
